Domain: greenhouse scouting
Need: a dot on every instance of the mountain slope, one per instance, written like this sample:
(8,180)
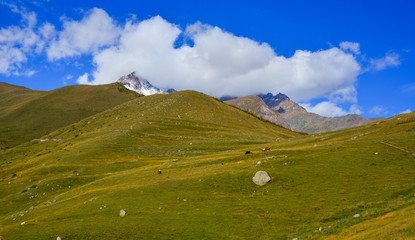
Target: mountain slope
(12,96)
(75,184)
(399,224)
(281,110)
(37,113)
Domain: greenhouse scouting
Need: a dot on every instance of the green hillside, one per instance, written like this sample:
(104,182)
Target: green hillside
(27,114)
(74,184)
(11,97)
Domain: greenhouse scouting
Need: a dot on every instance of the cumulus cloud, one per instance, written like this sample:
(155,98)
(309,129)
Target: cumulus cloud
(94,31)
(83,79)
(351,46)
(220,63)
(19,42)
(10,59)
(330,109)
(406,111)
(391,59)
(378,110)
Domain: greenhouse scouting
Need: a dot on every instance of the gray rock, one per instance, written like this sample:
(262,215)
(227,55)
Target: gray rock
(122,213)
(261,178)
(58,238)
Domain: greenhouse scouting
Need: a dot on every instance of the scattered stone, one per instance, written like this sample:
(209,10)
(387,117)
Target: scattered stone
(259,163)
(58,238)
(356,215)
(261,178)
(320,229)
(376,153)
(122,213)
(23,223)
(295,238)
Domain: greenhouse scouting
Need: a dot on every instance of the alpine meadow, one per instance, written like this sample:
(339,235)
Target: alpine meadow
(72,183)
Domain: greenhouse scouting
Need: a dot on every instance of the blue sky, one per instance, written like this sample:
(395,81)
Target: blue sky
(333,57)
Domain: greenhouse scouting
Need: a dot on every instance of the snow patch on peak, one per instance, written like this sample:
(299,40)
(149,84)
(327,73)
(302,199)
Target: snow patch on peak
(142,86)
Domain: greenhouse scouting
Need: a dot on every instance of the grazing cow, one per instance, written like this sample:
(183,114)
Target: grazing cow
(266,149)
(247,152)
(159,171)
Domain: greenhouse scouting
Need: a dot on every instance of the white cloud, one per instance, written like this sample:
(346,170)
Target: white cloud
(378,110)
(329,109)
(351,46)
(220,63)
(83,79)
(346,94)
(391,59)
(17,43)
(355,109)
(93,32)
(10,59)
(217,62)
(406,111)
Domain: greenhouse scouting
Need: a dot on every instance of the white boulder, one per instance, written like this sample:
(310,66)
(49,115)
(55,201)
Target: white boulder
(122,213)
(261,178)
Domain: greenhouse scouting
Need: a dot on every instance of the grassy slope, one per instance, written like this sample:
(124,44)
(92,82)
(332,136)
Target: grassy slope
(11,97)
(398,224)
(78,183)
(32,114)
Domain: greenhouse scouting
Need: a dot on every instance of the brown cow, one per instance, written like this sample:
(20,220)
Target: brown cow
(266,149)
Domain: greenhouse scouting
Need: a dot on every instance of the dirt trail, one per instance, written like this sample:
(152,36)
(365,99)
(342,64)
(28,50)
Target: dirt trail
(401,149)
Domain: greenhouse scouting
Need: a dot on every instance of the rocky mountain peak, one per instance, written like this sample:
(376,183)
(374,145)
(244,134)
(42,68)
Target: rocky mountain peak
(273,100)
(142,86)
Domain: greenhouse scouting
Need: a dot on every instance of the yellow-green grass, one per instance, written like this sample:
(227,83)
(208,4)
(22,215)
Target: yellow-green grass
(398,224)
(79,180)
(27,114)
(12,96)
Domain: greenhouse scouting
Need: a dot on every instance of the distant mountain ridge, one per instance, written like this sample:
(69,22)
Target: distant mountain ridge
(141,86)
(280,109)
